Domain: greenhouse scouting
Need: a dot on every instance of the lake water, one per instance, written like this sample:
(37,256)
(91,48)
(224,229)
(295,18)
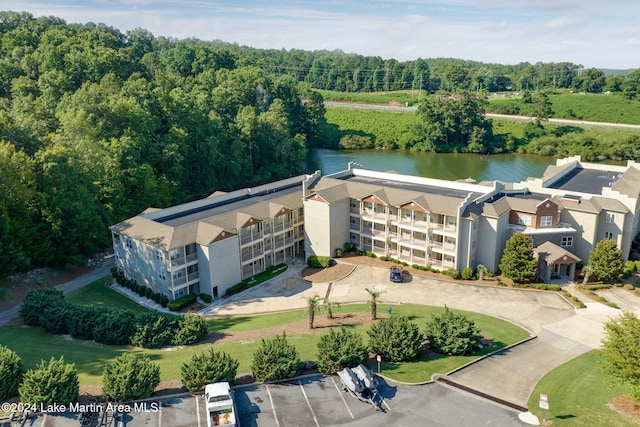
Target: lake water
(449,166)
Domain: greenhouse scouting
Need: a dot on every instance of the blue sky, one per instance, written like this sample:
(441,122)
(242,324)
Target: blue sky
(593,33)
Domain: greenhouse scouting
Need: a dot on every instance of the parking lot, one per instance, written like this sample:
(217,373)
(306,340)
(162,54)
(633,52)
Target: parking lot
(318,400)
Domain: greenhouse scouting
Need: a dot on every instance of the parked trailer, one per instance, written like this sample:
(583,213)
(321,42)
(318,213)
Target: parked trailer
(357,388)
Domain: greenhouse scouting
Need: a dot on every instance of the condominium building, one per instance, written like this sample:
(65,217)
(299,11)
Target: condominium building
(211,244)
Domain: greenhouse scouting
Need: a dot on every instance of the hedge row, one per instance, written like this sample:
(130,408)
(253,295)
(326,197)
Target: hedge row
(261,277)
(182,302)
(141,290)
(49,309)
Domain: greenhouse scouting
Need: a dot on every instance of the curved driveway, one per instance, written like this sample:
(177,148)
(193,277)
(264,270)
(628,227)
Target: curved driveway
(561,331)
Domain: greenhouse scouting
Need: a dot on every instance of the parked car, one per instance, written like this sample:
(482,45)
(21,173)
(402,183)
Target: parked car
(395,274)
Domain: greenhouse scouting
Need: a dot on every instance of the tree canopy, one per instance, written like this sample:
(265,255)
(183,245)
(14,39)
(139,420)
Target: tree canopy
(517,262)
(620,351)
(605,260)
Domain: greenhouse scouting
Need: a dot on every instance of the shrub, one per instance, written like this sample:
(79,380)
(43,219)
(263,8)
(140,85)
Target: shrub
(114,272)
(422,268)
(339,252)
(452,334)
(629,287)
(371,255)
(114,327)
(12,370)
(415,266)
(164,301)
(467,273)
(208,367)
(404,263)
(275,359)
(395,338)
(141,290)
(182,302)
(384,258)
(340,349)
(36,301)
(53,318)
(319,261)
(190,330)
(81,321)
(349,247)
(53,382)
(630,265)
(148,292)
(153,330)
(452,272)
(129,377)
(206,298)
(156,297)
(626,273)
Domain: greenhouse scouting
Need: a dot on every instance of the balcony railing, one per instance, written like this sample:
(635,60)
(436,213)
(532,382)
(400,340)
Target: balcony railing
(250,238)
(251,255)
(355,226)
(177,262)
(281,226)
(443,228)
(177,281)
(284,242)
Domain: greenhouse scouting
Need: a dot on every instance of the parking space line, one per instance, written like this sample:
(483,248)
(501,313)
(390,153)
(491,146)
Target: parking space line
(275,417)
(313,414)
(341,394)
(386,404)
(160,413)
(198,409)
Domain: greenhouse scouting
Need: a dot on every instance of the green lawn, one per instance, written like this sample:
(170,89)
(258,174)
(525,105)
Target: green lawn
(33,344)
(100,293)
(578,395)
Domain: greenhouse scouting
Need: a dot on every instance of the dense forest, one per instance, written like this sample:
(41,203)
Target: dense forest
(96,125)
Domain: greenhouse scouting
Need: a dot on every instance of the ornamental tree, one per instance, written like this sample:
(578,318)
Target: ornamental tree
(12,370)
(53,382)
(129,377)
(605,260)
(620,351)
(275,359)
(340,349)
(518,262)
(395,338)
(208,367)
(452,333)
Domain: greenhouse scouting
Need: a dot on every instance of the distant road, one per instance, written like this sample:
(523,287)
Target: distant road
(490,115)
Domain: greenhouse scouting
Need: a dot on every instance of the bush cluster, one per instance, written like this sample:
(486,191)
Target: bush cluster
(319,261)
(141,290)
(130,377)
(452,334)
(206,298)
(208,367)
(12,370)
(182,302)
(48,309)
(396,339)
(453,273)
(340,349)
(275,360)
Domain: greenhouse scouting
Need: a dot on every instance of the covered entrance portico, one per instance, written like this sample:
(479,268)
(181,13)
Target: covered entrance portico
(555,262)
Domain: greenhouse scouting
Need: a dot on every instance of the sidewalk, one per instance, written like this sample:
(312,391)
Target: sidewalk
(11,314)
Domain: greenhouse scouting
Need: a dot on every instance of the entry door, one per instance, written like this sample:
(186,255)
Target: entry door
(215,292)
(557,269)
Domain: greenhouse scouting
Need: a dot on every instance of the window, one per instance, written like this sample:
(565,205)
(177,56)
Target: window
(608,235)
(567,241)
(546,221)
(162,276)
(129,243)
(159,255)
(524,219)
(611,218)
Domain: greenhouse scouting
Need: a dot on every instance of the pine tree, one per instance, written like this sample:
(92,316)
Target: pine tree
(12,370)
(129,377)
(53,382)
(275,359)
(517,261)
(208,367)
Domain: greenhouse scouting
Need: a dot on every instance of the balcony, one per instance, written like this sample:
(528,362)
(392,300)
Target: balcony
(249,238)
(248,256)
(280,243)
(191,277)
(443,247)
(282,226)
(177,262)
(355,227)
(444,229)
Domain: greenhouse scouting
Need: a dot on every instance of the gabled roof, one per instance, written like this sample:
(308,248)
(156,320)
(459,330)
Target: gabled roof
(553,253)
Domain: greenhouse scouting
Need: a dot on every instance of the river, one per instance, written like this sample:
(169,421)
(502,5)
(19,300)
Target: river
(449,166)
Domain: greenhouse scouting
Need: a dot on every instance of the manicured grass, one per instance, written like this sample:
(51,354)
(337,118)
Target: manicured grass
(33,344)
(100,293)
(578,395)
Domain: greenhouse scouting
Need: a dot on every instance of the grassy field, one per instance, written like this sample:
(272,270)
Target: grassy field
(399,97)
(33,344)
(578,106)
(578,395)
(99,293)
